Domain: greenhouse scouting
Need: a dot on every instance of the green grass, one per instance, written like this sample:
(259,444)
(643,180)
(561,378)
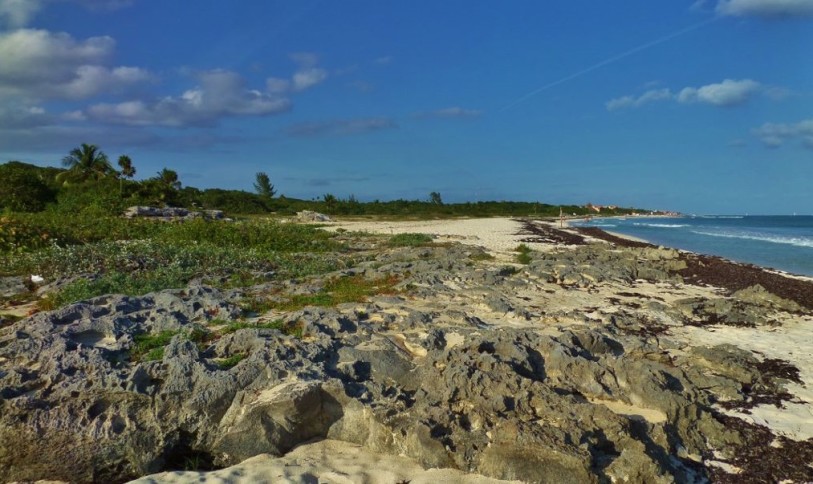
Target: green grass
(231,361)
(409,240)
(278,324)
(481,256)
(522,249)
(256,305)
(342,290)
(115,283)
(150,347)
(155,354)
(523,254)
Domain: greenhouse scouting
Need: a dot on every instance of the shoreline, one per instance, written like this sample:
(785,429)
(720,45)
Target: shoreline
(633,238)
(504,234)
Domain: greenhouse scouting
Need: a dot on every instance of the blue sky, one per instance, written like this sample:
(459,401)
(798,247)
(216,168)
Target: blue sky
(696,106)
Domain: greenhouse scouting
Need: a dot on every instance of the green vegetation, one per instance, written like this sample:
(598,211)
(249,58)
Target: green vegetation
(409,240)
(523,254)
(481,256)
(27,188)
(263,186)
(150,347)
(278,324)
(66,222)
(85,163)
(91,181)
(342,290)
(136,257)
(231,361)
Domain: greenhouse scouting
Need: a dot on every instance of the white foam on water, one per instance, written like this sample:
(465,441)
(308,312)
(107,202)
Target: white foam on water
(661,226)
(776,239)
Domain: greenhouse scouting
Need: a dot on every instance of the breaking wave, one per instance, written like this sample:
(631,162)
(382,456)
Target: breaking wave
(661,226)
(776,239)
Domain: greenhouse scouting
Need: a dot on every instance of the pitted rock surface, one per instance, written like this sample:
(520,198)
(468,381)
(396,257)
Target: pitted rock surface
(529,372)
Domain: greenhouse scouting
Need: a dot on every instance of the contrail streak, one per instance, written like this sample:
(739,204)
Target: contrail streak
(611,60)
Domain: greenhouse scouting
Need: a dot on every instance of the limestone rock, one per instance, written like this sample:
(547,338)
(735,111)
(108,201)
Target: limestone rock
(310,216)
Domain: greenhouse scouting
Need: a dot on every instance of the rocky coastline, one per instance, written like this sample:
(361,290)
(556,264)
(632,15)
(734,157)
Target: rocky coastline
(598,360)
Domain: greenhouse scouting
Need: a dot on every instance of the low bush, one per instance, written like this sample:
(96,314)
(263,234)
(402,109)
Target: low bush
(409,240)
(523,254)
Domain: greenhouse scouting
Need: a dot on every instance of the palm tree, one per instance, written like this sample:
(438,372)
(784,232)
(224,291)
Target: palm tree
(84,163)
(330,201)
(169,178)
(127,171)
(163,187)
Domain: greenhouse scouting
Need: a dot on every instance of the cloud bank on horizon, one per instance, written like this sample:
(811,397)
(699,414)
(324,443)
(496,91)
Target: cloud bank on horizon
(394,86)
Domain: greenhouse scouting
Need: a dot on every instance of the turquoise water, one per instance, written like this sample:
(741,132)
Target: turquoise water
(779,242)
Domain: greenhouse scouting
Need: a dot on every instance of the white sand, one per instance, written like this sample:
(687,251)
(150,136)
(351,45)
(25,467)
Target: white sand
(325,462)
(498,234)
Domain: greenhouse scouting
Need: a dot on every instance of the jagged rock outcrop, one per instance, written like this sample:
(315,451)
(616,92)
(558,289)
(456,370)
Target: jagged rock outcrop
(413,375)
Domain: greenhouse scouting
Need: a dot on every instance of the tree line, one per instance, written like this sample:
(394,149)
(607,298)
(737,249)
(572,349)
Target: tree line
(88,180)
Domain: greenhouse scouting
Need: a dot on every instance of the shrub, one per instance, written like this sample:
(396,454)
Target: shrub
(524,254)
(481,256)
(25,188)
(409,240)
(17,236)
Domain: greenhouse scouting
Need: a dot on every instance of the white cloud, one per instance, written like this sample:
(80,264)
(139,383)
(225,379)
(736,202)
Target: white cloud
(341,127)
(767,8)
(219,94)
(38,64)
(775,135)
(277,85)
(24,117)
(307,78)
(18,13)
(724,94)
(727,93)
(650,96)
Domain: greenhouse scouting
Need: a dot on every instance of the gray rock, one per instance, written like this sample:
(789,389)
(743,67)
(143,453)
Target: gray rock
(310,216)
(172,213)
(594,404)
(12,286)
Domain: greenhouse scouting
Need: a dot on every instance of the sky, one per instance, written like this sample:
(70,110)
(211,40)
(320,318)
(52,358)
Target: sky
(696,106)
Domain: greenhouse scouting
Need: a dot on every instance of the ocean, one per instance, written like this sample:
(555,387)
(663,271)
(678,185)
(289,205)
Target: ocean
(780,242)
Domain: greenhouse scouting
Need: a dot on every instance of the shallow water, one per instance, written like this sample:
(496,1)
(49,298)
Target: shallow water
(782,242)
